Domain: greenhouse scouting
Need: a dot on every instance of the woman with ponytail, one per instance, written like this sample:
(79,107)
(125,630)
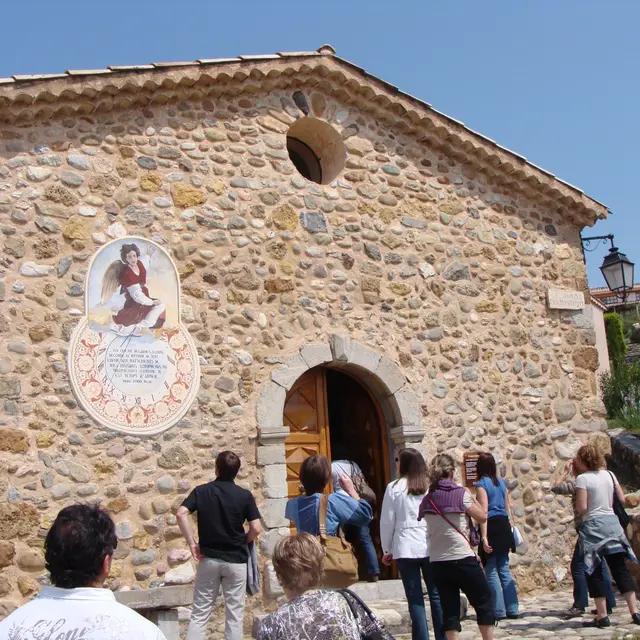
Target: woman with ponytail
(455,565)
(497,537)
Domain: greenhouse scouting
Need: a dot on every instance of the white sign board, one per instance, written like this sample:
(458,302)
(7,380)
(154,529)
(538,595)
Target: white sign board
(560,299)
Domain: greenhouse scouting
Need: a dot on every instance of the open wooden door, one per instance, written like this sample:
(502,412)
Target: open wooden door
(358,433)
(307,416)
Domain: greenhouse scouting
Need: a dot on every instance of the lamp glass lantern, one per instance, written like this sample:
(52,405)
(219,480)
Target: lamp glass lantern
(617,270)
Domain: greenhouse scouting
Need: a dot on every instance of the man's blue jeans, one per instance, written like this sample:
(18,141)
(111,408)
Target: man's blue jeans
(370,555)
(580,590)
(412,570)
(502,585)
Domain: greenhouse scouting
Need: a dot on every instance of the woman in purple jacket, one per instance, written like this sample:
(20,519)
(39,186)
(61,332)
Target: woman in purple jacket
(454,562)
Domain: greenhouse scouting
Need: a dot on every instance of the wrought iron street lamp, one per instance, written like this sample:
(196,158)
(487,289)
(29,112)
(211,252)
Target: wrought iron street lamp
(616,268)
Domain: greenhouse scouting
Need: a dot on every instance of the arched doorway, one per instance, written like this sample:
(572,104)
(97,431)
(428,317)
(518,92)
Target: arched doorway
(328,411)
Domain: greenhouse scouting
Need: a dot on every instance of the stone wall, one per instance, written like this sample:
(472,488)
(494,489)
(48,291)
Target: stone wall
(634,531)
(408,252)
(625,447)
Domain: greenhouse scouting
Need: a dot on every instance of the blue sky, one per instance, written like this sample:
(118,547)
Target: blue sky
(555,80)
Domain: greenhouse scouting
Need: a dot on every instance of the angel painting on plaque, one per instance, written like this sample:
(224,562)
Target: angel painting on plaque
(125,293)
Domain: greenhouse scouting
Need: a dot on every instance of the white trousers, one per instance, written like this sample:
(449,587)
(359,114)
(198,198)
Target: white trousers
(211,575)
(152,317)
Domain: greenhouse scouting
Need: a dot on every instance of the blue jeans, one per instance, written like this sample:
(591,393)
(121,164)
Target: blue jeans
(410,570)
(502,585)
(370,555)
(580,590)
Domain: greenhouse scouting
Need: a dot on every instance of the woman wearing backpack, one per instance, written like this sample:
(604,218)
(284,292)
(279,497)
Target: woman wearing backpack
(497,538)
(404,539)
(601,535)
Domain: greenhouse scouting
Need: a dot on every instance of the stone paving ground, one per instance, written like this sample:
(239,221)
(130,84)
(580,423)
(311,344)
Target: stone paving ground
(542,617)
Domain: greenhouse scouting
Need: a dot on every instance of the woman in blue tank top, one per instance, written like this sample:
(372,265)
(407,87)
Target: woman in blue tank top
(497,538)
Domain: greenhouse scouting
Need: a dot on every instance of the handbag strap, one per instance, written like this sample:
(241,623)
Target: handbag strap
(351,598)
(613,497)
(322,516)
(433,504)
(322,521)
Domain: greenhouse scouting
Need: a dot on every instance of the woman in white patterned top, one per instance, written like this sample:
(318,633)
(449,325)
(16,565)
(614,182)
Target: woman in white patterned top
(311,613)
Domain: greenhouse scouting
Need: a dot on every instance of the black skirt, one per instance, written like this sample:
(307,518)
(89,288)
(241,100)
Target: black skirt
(500,537)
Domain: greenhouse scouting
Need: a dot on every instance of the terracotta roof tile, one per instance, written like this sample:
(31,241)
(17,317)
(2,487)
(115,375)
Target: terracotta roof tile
(165,65)
(41,76)
(264,56)
(87,72)
(296,54)
(133,67)
(217,60)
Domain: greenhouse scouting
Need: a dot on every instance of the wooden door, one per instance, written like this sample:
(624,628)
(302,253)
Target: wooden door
(357,423)
(306,415)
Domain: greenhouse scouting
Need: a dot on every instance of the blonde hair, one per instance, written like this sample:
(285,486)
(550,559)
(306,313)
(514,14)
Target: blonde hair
(298,562)
(591,455)
(441,467)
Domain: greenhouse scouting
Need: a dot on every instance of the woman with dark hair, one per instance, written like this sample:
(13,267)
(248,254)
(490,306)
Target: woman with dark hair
(497,538)
(404,539)
(128,278)
(342,509)
(78,551)
(602,538)
(455,564)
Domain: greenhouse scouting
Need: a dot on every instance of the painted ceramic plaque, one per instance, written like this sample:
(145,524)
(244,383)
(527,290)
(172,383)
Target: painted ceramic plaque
(132,366)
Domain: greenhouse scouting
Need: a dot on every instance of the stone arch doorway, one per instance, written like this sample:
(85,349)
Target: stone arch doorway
(386,384)
(328,411)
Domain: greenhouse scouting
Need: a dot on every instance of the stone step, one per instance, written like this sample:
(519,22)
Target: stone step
(394,615)
(381,590)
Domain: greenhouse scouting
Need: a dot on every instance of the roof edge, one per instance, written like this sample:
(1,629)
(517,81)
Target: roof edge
(32,95)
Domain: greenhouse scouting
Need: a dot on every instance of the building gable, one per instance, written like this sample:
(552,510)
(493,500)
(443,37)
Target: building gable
(30,98)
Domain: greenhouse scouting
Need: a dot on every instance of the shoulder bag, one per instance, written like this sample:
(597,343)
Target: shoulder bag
(362,487)
(433,504)
(369,625)
(518,540)
(340,564)
(618,507)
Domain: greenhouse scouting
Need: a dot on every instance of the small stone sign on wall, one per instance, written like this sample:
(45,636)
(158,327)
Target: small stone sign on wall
(132,365)
(562,299)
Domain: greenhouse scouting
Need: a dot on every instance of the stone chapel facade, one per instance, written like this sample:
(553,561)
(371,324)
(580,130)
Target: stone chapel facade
(331,233)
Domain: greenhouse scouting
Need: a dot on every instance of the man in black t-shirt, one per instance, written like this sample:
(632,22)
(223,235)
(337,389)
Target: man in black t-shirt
(221,551)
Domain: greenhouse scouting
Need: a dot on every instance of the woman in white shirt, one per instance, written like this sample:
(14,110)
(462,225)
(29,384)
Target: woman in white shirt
(404,539)
(601,536)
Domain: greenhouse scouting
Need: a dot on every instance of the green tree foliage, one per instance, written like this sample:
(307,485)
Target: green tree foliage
(615,338)
(620,388)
